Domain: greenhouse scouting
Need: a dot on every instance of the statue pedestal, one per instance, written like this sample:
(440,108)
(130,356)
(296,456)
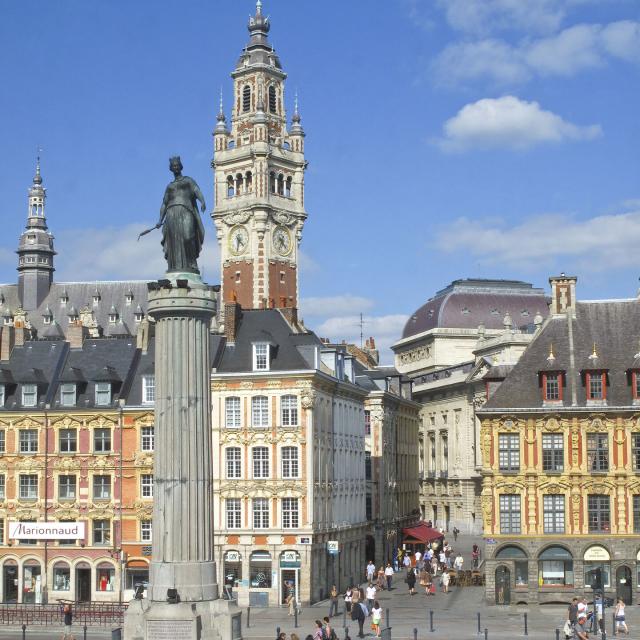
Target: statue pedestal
(182,538)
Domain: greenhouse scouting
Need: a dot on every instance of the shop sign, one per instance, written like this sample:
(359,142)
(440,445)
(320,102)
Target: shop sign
(596,554)
(290,560)
(232,556)
(333,547)
(46,530)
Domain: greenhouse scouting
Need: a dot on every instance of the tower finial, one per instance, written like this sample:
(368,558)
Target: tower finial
(259,7)
(37,179)
(221,117)
(296,112)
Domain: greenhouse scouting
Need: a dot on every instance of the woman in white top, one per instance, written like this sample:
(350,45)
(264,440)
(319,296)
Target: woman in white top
(619,617)
(376,618)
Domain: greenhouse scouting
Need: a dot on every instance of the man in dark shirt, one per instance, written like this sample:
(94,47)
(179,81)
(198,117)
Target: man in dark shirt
(573,611)
(68,621)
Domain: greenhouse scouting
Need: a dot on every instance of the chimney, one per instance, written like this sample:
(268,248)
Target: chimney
(7,340)
(232,312)
(291,315)
(563,293)
(371,351)
(76,333)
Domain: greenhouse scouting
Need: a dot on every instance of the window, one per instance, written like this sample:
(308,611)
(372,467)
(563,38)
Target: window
(28,441)
(145,530)
(260,457)
(445,453)
(598,451)
(101,532)
(3,442)
(233,459)
(432,452)
(246,98)
(368,507)
(232,412)
(289,411)
(67,487)
(68,394)
(68,541)
(260,569)
(2,398)
(509,452)
(272,99)
(147,436)
(367,422)
(102,440)
(290,513)
(595,386)
(29,395)
(555,567)
(148,389)
(260,411)
(3,492)
(260,513)
(635,451)
(552,452)
(261,356)
(552,386)
(509,513)
(102,487)
(105,577)
(636,511)
(367,465)
(61,577)
(68,440)
(234,515)
(146,485)
(553,508)
(605,572)
(599,517)
(290,462)
(1,531)
(103,394)
(29,487)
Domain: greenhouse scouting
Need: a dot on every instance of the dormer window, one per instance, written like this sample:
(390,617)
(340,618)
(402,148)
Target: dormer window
(64,298)
(8,320)
(73,318)
(96,298)
(129,297)
(31,238)
(113,317)
(46,319)
(103,394)
(138,316)
(29,395)
(596,385)
(68,394)
(261,356)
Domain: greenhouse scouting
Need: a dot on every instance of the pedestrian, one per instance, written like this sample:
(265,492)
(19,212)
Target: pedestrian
(371,595)
(580,629)
(619,617)
(388,574)
(355,596)
(380,582)
(333,596)
(406,561)
(418,556)
(456,531)
(291,603)
(411,581)
(348,599)
(357,614)
(395,559)
(442,559)
(475,556)
(371,570)
(318,632)
(582,607)
(282,636)
(329,631)
(68,621)
(572,612)
(457,565)
(445,581)
(434,565)
(295,636)
(376,618)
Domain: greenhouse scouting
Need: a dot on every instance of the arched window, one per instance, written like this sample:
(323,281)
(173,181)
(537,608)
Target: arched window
(238,184)
(280,184)
(272,99)
(511,552)
(287,188)
(105,577)
(230,188)
(272,182)
(246,98)
(555,566)
(248,182)
(61,577)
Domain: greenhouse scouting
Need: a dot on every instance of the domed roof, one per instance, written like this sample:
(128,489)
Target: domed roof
(467,303)
(259,50)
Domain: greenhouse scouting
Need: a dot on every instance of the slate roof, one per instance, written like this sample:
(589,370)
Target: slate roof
(465,304)
(614,328)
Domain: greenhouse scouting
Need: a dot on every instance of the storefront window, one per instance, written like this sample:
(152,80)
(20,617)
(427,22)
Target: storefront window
(555,567)
(260,569)
(522,573)
(32,583)
(136,577)
(597,565)
(232,568)
(105,578)
(61,577)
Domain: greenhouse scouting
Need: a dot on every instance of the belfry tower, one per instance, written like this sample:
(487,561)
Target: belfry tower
(259,181)
(35,250)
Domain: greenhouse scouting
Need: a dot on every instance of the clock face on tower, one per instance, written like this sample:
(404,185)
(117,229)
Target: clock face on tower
(238,240)
(282,241)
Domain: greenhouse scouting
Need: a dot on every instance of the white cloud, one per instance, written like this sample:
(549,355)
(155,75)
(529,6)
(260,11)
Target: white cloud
(508,123)
(570,51)
(115,253)
(341,305)
(549,238)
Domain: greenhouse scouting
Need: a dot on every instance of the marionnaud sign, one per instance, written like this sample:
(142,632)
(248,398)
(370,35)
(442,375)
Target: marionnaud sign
(47,530)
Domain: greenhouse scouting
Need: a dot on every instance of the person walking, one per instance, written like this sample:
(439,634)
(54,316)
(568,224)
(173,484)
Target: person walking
(318,632)
(355,596)
(406,561)
(388,574)
(572,612)
(329,631)
(458,562)
(411,581)
(380,582)
(68,621)
(418,556)
(291,604)
(445,579)
(376,618)
(371,595)
(619,617)
(358,615)
(456,531)
(348,599)
(333,596)
(475,556)
(371,571)
(580,629)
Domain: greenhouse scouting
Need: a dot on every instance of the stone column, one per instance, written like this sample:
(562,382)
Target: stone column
(183,494)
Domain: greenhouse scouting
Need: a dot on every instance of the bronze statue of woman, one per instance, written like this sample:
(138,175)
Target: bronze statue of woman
(182,228)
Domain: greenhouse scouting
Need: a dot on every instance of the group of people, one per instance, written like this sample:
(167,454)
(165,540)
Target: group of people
(361,605)
(580,620)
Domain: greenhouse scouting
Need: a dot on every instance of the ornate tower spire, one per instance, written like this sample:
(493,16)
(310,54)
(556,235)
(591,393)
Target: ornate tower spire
(35,249)
(259,181)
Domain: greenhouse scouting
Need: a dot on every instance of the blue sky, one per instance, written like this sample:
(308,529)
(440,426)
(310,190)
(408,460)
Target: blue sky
(445,139)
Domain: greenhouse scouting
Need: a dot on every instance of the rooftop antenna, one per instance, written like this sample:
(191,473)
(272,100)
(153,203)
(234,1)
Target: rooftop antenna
(361,325)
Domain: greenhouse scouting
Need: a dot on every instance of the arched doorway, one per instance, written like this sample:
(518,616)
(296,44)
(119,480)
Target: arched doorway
(624,588)
(503,585)
(10,581)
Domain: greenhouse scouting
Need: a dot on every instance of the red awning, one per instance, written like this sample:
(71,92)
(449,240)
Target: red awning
(422,533)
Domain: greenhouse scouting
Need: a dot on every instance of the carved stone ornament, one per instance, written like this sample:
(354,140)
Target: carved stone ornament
(102,422)
(510,487)
(26,513)
(486,446)
(100,511)
(246,384)
(27,423)
(143,509)
(67,512)
(68,463)
(552,425)
(414,355)
(575,438)
(308,399)
(237,217)
(144,459)
(29,464)
(281,217)
(67,422)
(575,509)
(146,420)
(101,462)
